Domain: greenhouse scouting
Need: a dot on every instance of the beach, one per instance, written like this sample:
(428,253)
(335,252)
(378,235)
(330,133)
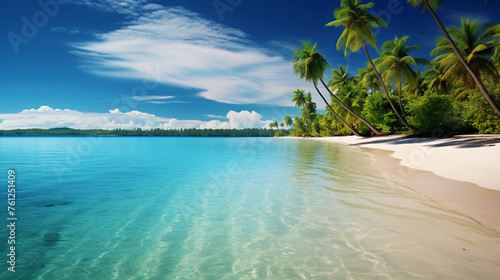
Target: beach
(460,173)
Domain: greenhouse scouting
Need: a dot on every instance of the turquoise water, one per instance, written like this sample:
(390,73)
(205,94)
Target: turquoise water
(226,208)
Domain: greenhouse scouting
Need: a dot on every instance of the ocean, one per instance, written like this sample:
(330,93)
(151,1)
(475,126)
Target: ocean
(96,207)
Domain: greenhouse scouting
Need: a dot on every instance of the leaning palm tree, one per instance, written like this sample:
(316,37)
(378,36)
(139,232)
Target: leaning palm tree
(358,24)
(271,125)
(311,65)
(431,5)
(339,78)
(474,46)
(396,64)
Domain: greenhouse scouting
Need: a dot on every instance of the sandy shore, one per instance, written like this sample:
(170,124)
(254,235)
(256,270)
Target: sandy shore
(467,169)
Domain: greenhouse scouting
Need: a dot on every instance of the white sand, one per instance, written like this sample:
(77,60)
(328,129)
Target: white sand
(474,159)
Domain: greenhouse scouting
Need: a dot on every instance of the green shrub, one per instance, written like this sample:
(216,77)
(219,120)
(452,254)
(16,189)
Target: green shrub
(379,113)
(279,133)
(433,115)
(479,112)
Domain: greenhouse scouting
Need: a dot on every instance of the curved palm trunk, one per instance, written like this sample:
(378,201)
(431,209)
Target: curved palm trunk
(378,132)
(382,85)
(335,114)
(459,55)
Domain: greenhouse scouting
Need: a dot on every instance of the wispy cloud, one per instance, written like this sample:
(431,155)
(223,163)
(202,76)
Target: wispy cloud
(456,16)
(127,7)
(64,29)
(215,116)
(47,117)
(151,97)
(169,102)
(192,52)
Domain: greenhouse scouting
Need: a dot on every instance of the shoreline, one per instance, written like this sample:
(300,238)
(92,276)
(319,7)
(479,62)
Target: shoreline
(458,173)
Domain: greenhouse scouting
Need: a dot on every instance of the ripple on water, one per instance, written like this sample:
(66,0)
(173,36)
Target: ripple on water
(135,208)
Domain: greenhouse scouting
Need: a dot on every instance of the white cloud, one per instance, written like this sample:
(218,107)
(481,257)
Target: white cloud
(193,52)
(47,117)
(215,116)
(150,7)
(151,97)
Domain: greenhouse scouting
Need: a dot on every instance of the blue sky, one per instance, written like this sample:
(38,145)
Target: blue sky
(173,64)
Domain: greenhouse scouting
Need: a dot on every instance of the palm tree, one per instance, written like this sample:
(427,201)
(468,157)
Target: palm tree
(276,125)
(495,33)
(434,79)
(339,78)
(472,45)
(396,64)
(357,33)
(309,113)
(311,65)
(271,125)
(431,5)
(416,89)
(353,95)
(299,126)
(299,98)
(368,79)
(288,120)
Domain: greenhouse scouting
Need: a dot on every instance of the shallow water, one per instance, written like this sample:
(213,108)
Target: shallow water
(226,208)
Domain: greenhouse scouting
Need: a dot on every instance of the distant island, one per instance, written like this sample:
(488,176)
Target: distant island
(246,132)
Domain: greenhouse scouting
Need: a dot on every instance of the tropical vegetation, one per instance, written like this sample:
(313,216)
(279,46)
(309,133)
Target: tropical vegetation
(454,92)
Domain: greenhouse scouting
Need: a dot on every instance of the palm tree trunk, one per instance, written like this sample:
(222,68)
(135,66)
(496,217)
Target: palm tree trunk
(459,55)
(383,85)
(335,114)
(378,132)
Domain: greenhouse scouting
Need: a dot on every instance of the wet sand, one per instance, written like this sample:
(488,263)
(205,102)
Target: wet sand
(461,174)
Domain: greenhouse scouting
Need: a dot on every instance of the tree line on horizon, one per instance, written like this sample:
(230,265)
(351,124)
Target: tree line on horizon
(457,93)
(245,132)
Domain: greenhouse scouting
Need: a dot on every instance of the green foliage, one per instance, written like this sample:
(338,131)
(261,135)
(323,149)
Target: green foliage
(357,23)
(480,114)
(473,44)
(442,100)
(397,65)
(279,133)
(433,115)
(308,63)
(434,4)
(339,78)
(378,111)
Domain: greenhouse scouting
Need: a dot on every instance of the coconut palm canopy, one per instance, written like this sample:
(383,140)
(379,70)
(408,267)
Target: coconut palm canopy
(465,68)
